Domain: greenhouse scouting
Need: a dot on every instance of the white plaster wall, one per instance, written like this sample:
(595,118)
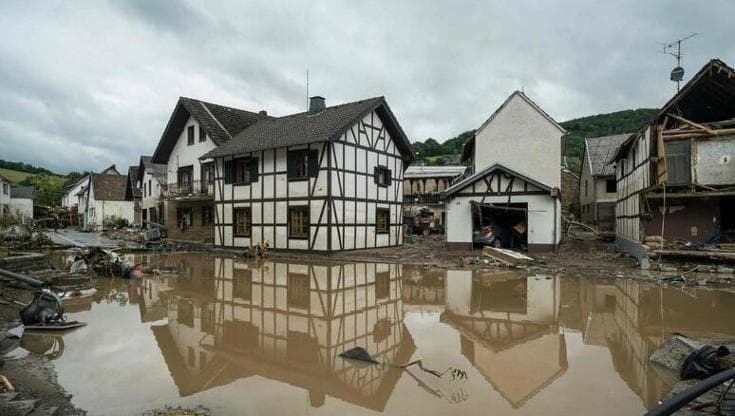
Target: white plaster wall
(150,200)
(185,155)
(4,197)
(521,139)
(21,208)
(70,199)
(540,217)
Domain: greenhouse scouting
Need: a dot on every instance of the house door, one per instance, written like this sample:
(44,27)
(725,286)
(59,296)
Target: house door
(144,214)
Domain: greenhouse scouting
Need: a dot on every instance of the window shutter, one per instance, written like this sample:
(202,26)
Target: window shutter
(229,172)
(389,176)
(376,174)
(313,163)
(253,165)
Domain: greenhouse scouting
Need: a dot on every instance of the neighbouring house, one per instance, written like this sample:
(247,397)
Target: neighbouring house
(422,188)
(21,202)
(132,192)
(569,189)
(195,128)
(676,174)
(598,189)
(4,196)
(512,197)
(104,198)
(151,180)
(71,192)
(327,179)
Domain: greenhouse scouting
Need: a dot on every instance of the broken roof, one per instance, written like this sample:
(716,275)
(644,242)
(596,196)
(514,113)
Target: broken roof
(221,124)
(27,192)
(305,128)
(599,150)
(109,187)
(708,96)
(433,171)
(470,143)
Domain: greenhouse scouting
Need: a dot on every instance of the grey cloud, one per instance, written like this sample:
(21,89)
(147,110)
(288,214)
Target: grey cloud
(94,83)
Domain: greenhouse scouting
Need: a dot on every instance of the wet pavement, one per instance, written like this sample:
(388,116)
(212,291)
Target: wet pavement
(66,237)
(247,337)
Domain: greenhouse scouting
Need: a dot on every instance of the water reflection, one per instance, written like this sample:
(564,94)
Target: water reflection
(216,321)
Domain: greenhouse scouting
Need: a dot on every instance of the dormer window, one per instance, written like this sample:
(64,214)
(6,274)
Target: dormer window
(190,135)
(202,134)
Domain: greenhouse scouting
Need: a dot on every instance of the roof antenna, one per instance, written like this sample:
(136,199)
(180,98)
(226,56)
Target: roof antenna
(307,89)
(677,74)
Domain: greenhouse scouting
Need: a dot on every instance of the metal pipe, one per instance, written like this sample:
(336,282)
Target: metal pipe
(669,406)
(22,278)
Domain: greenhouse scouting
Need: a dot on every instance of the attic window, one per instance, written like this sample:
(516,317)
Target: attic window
(202,134)
(611,186)
(190,135)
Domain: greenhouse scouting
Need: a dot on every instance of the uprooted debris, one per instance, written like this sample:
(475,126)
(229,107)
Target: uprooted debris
(256,251)
(507,257)
(693,360)
(102,262)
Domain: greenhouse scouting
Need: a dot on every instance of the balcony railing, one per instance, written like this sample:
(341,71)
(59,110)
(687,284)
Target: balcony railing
(194,189)
(431,198)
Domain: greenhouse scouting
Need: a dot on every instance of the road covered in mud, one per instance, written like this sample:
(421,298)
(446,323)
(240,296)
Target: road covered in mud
(238,336)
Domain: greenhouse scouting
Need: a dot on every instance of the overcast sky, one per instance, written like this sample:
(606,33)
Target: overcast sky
(87,84)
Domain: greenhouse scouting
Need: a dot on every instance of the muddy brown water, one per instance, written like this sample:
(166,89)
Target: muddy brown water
(244,337)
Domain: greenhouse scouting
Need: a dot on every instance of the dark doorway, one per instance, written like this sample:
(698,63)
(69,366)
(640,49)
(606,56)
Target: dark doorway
(727,220)
(500,225)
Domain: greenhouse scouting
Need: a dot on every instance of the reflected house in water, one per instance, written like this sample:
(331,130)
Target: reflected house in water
(509,330)
(423,286)
(288,322)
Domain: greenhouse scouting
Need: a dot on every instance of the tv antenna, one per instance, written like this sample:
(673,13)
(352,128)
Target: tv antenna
(677,74)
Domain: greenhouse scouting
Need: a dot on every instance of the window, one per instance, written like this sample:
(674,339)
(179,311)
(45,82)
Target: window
(183,217)
(149,188)
(207,177)
(242,284)
(299,295)
(298,222)
(184,179)
(207,318)
(241,222)
(382,220)
(207,215)
(185,312)
(6,189)
(241,171)
(382,285)
(611,186)
(190,136)
(202,134)
(382,175)
(303,164)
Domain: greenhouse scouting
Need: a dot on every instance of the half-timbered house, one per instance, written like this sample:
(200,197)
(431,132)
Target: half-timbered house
(515,188)
(597,186)
(675,175)
(328,179)
(194,128)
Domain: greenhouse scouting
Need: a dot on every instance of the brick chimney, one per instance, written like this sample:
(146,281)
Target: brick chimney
(316,104)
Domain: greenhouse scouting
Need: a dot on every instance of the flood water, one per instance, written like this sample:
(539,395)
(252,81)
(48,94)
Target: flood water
(243,337)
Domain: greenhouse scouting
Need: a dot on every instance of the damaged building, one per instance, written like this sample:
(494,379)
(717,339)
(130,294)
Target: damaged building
(675,175)
(512,198)
(598,192)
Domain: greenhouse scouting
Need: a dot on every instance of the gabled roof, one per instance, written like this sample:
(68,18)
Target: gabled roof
(157,170)
(27,192)
(468,146)
(433,171)
(109,187)
(220,123)
(708,96)
(494,167)
(599,150)
(305,128)
(110,170)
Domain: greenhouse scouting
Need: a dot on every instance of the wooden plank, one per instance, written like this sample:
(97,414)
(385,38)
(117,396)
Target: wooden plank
(691,123)
(507,257)
(661,168)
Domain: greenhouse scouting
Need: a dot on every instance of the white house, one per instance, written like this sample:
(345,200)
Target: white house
(21,202)
(151,180)
(105,198)
(194,128)
(328,179)
(71,192)
(516,160)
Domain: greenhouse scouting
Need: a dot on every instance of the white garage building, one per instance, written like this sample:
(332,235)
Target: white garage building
(516,160)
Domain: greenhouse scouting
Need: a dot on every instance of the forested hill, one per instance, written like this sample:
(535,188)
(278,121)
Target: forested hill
(431,152)
(619,122)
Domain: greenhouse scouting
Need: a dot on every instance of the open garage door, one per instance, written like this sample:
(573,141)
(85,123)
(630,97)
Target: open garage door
(497,225)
